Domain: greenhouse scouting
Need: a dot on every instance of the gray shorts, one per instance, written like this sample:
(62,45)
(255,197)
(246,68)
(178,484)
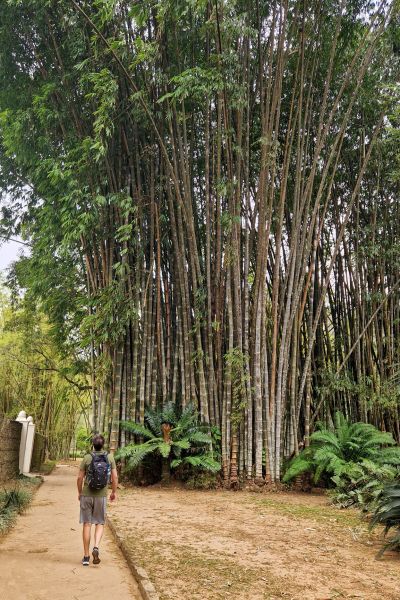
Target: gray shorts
(93,510)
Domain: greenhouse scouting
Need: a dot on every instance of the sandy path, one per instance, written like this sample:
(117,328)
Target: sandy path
(40,558)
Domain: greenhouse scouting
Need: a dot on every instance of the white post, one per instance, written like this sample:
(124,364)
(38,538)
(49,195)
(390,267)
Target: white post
(30,438)
(24,421)
(26,444)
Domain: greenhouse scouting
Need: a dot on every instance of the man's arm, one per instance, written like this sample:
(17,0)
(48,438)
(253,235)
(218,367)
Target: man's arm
(79,483)
(114,483)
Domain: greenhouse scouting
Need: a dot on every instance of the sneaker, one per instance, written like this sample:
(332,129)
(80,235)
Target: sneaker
(86,561)
(95,555)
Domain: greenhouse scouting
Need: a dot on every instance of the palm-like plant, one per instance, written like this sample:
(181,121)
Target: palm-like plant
(340,451)
(175,435)
(387,514)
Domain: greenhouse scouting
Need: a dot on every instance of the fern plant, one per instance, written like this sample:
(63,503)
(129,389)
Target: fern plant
(387,514)
(175,435)
(341,450)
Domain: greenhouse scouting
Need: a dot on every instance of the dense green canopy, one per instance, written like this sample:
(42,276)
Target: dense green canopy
(211,194)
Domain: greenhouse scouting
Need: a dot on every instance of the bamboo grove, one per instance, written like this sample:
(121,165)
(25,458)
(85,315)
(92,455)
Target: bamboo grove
(210,191)
(33,376)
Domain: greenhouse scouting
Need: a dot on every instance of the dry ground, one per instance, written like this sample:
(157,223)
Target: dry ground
(210,545)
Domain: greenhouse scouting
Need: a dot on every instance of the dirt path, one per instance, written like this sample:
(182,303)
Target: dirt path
(40,557)
(248,546)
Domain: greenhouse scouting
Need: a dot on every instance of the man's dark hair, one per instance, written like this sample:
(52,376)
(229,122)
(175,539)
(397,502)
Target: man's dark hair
(98,442)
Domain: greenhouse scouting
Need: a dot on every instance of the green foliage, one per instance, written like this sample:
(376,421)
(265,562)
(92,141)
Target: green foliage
(387,514)
(114,136)
(188,443)
(363,488)
(12,502)
(15,498)
(83,440)
(36,376)
(111,311)
(341,452)
(104,88)
(216,438)
(196,83)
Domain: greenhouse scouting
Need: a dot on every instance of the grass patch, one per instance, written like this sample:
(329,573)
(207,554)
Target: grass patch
(12,503)
(28,482)
(7,519)
(321,514)
(15,498)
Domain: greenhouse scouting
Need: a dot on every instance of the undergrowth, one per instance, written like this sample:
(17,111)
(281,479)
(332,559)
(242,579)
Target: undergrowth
(15,500)
(202,481)
(47,467)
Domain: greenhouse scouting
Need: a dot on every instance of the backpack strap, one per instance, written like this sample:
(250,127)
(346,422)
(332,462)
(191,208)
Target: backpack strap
(89,464)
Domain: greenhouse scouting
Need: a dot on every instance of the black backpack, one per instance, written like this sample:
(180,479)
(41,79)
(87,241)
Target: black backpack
(98,471)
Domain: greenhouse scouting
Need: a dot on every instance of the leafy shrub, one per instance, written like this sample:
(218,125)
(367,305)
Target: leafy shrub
(176,436)
(83,440)
(387,513)
(12,502)
(16,498)
(365,488)
(339,452)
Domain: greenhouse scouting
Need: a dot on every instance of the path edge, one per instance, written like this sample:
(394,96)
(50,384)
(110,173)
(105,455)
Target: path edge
(146,587)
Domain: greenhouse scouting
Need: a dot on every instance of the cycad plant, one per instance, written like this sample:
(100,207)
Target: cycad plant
(177,436)
(387,514)
(339,451)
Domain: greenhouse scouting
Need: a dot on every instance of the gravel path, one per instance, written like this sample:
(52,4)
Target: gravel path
(40,557)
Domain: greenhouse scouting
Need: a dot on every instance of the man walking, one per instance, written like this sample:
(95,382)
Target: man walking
(95,469)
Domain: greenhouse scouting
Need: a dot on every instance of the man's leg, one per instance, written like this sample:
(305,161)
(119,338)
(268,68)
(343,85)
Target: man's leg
(100,516)
(98,534)
(86,538)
